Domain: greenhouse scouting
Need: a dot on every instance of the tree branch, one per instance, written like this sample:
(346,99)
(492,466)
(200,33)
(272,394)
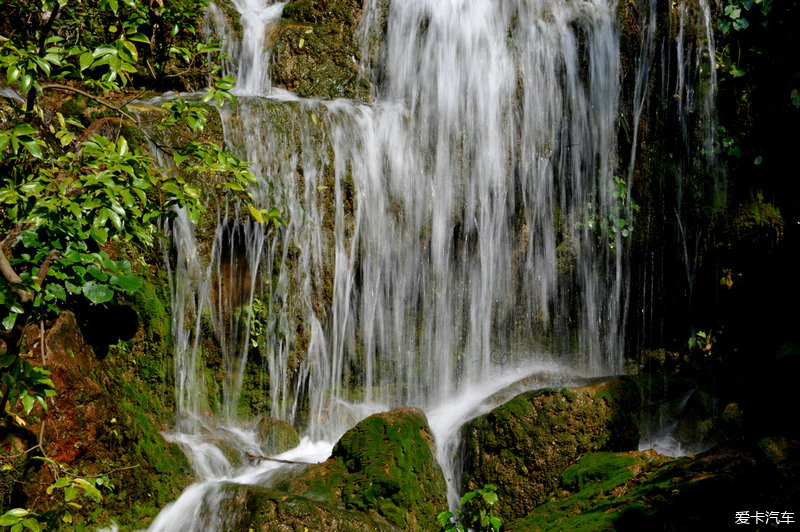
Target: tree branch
(14,233)
(59,86)
(31,99)
(11,276)
(108,105)
(53,256)
(253,457)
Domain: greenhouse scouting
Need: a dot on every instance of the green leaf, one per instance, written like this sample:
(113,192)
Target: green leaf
(27,402)
(72,287)
(99,234)
(24,129)
(95,271)
(468,497)
(27,80)
(138,37)
(179,158)
(128,283)
(32,146)
(13,516)
(9,320)
(97,293)
(259,217)
(31,524)
(57,291)
(60,483)
(70,493)
(444,517)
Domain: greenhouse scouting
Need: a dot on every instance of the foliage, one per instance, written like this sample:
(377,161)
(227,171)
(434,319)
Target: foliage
(475,513)
(25,383)
(700,340)
(733,14)
(72,488)
(73,185)
(619,219)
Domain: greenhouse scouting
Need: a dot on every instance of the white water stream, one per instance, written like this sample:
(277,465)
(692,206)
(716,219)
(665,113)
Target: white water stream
(439,244)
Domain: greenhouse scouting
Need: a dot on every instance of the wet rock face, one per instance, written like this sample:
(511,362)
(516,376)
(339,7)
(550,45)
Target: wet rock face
(524,445)
(382,475)
(316,53)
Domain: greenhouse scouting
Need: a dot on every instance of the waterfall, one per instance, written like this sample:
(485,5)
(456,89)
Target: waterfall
(451,224)
(465,226)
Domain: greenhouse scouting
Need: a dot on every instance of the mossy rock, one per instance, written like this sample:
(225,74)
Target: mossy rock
(524,445)
(276,436)
(383,466)
(251,509)
(104,420)
(346,12)
(315,52)
(646,491)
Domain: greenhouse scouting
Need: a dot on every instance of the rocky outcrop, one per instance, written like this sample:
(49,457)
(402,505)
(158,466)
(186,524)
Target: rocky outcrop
(524,445)
(646,491)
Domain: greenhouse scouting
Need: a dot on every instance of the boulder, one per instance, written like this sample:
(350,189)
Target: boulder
(103,420)
(524,445)
(276,436)
(384,467)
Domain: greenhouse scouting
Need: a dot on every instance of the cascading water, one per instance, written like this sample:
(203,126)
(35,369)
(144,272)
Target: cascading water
(449,236)
(454,214)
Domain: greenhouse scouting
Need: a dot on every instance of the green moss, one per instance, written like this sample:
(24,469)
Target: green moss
(384,466)
(647,491)
(598,471)
(540,433)
(592,502)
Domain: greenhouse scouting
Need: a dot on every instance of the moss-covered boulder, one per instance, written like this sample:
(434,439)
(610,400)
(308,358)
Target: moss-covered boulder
(254,509)
(316,53)
(383,466)
(646,491)
(524,445)
(276,436)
